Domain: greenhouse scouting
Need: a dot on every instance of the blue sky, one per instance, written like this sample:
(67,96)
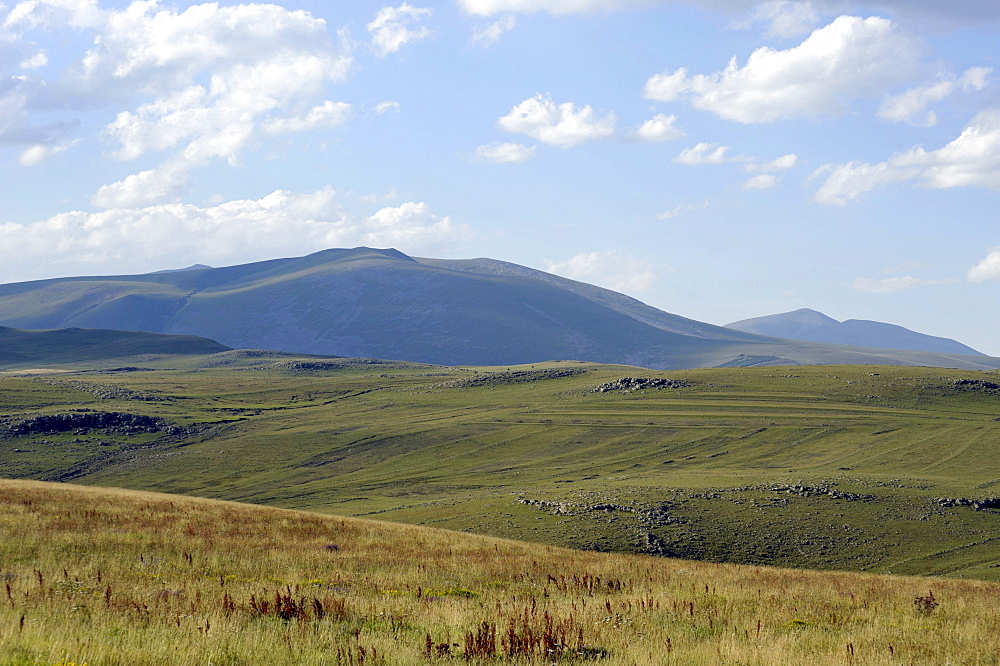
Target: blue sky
(718,159)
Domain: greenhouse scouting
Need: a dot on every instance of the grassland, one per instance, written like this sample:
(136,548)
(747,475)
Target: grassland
(880,469)
(104,576)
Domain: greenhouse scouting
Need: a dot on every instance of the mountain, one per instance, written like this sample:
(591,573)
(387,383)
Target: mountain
(193,267)
(18,347)
(806,324)
(382,303)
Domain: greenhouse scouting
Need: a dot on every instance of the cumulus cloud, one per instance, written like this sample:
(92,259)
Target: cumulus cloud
(327,115)
(703,153)
(909,107)
(657,129)
(987,269)
(561,125)
(893,284)
(785,18)
(973,159)
(281,223)
(778,164)
(762,181)
(505,152)
(851,57)
(607,269)
(40,152)
(411,225)
(392,28)
(491,7)
(203,83)
(489,34)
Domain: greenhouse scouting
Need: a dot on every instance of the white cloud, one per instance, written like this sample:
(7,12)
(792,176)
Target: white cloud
(563,125)
(779,164)
(607,269)
(703,153)
(199,84)
(966,11)
(489,34)
(328,115)
(412,226)
(37,60)
(46,13)
(164,183)
(762,181)
(849,58)
(505,152)
(658,128)
(893,284)
(387,106)
(909,106)
(987,269)
(391,28)
(491,7)
(279,224)
(973,159)
(40,152)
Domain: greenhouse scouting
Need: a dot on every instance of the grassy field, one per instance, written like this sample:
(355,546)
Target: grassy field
(880,469)
(104,576)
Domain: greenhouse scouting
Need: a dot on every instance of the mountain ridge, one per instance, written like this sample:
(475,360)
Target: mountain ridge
(366,302)
(810,325)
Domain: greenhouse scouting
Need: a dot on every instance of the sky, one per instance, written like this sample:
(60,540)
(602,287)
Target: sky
(717,159)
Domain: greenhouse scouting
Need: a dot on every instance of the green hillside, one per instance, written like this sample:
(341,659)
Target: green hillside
(865,468)
(381,303)
(75,345)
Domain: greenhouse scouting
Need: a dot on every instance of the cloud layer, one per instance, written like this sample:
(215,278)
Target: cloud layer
(168,235)
(207,83)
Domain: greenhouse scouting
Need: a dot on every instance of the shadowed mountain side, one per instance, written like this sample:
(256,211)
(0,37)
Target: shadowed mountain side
(77,344)
(381,303)
(806,324)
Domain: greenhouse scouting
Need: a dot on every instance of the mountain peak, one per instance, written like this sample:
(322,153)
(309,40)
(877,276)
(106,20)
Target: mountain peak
(813,326)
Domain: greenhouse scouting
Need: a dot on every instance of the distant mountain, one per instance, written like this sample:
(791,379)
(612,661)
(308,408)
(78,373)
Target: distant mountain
(806,324)
(193,267)
(19,347)
(383,303)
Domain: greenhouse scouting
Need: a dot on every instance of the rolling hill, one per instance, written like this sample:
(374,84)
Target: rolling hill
(384,304)
(806,324)
(75,345)
(879,469)
(106,576)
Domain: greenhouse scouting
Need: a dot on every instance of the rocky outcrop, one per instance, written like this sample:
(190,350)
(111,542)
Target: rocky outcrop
(84,421)
(977,384)
(977,504)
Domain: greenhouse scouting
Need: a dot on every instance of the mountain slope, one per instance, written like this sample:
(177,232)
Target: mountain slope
(381,303)
(806,324)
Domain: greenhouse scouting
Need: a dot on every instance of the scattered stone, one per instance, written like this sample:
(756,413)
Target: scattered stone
(640,383)
(976,504)
(511,377)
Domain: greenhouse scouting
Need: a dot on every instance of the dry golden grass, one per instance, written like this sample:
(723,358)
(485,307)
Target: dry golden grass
(119,577)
